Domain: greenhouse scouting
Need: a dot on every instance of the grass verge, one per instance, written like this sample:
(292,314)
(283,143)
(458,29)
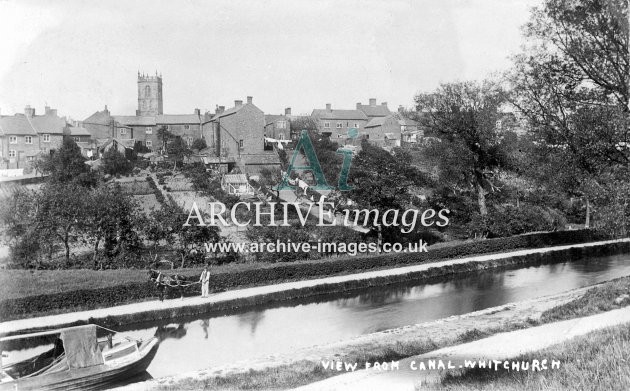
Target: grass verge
(597,361)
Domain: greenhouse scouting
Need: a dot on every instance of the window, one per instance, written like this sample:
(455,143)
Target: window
(12,139)
(76,139)
(123,131)
(282,124)
(148,143)
(28,139)
(356,125)
(30,158)
(189,140)
(281,136)
(46,138)
(186,127)
(339,125)
(327,124)
(149,130)
(240,143)
(11,153)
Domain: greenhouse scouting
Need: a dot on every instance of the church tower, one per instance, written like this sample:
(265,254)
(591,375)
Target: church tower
(149,94)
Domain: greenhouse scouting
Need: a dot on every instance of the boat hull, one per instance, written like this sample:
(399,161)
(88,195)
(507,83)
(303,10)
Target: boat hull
(92,378)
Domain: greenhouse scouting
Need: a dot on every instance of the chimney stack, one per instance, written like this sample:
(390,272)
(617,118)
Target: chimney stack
(287,111)
(46,110)
(238,103)
(328,107)
(29,111)
(220,109)
(372,101)
(401,109)
(197,112)
(249,100)
(358,105)
(384,104)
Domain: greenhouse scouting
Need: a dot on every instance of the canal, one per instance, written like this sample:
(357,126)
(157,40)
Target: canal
(216,339)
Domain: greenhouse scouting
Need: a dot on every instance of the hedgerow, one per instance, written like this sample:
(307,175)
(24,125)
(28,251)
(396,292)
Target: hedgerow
(301,270)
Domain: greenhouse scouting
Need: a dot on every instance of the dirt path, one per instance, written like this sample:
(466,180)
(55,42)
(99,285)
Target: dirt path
(288,288)
(498,347)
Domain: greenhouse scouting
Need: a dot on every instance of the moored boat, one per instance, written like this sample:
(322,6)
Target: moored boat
(78,361)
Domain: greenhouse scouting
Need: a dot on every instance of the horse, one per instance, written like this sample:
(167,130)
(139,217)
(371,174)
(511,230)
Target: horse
(162,280)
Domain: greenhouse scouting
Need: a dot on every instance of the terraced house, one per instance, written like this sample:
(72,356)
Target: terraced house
(335,123)
(24,136)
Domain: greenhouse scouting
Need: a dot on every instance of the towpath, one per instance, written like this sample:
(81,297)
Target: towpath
(498,347)
(60,320)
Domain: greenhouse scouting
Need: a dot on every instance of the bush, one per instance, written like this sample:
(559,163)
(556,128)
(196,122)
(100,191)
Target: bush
(509,220)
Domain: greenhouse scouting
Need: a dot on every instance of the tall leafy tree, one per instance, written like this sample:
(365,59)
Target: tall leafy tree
(571,83)
(66,164)
(464,115)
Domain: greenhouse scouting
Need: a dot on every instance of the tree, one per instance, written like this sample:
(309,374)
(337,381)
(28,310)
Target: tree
(139,147)
(61,211)
(571,84)
(66,164)
(464,115)
(383,180)
(177,150)
(164,135)
(199,144)
(112,217)
(115,163)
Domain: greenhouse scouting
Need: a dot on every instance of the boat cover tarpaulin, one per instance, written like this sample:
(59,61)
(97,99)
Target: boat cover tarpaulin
(81,347)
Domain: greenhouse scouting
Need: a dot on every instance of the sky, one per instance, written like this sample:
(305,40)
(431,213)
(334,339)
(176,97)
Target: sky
(79,56)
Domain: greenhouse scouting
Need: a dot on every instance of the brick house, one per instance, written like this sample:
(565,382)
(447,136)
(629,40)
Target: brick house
(102,126)
(335,123)
(239,133)
(278,126)
(24,136)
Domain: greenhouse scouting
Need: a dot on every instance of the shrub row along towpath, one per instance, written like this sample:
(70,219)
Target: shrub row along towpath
(261,294)
(499,347)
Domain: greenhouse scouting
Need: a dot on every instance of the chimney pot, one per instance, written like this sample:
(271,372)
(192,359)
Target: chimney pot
(358,105)
(249,99)
(197,112)
(328,107)
(372,101)
(287,111)
(384,104)
(238,103)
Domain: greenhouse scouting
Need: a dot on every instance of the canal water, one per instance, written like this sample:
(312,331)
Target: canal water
(217,339)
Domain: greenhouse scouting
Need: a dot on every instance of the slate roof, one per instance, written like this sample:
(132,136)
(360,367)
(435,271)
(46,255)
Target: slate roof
(16,124)
(134,120)
(408,122)
(78,131)
(339,114)
(227,112)
(376,121)
(48,124)
(100,118)
(173,119)
(374,111)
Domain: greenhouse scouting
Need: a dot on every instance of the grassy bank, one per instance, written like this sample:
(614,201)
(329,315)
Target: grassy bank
(597,299)
(597,361)
(26,293)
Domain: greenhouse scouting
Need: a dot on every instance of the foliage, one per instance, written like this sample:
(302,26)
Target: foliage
(115,163)
(303,123)
(177,149)
(199,144)
(464,115)
(571,84)
(66,164)
(507,220)
(383,180)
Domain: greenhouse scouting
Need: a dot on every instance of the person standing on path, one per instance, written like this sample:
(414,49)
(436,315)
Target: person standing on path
(205,282)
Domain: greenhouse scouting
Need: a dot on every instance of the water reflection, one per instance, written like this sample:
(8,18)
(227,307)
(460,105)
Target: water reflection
(220,338)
